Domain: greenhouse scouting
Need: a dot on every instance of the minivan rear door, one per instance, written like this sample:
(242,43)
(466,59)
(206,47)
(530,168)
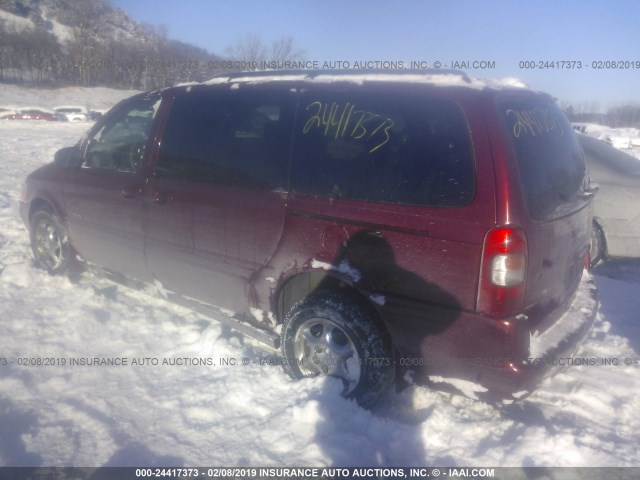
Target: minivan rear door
(552,201)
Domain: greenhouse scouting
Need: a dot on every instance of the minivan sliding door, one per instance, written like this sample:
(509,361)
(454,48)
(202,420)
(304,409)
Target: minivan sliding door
(216,202)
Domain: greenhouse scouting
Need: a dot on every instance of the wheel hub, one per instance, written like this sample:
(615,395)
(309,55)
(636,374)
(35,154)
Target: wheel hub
(322,347)
(48,244)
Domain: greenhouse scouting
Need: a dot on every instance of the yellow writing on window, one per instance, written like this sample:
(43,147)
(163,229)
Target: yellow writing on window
(534,122)
(345,121)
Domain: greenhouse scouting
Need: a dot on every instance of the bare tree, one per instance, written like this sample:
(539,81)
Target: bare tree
(44,56)
(283,50)
(252,49)
(567,108)
(86,23)
(627,115)
(4,50)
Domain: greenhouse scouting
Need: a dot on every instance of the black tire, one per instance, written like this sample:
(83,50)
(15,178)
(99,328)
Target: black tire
(50,243)
(349,340)
(597,248)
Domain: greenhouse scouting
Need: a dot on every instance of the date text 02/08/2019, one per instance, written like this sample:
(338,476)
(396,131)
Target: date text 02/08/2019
(579,65)
(311,472)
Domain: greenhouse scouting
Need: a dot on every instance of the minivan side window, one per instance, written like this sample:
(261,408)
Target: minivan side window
(550,161)
(119,144)
(383,148)
(228,138)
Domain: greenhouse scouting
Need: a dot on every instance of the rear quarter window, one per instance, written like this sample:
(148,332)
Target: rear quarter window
(383,148)
(550,161)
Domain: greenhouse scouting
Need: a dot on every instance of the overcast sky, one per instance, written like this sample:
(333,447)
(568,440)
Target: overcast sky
(500,31)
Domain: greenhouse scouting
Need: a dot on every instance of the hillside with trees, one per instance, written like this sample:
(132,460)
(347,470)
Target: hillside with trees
(92,43)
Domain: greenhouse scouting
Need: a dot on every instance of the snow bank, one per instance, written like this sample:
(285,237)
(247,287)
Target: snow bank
(625,139)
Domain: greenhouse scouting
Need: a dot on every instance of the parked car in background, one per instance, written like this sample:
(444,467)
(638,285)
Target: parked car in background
(32,113)
(5,111)
(73,113)
(61,117)
(369,224)
(95,115)
(616,208)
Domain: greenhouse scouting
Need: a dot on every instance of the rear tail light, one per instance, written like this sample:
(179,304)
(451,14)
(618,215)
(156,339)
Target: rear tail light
(503,272)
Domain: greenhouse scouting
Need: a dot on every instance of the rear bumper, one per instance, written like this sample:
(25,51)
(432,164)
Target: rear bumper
(499,360)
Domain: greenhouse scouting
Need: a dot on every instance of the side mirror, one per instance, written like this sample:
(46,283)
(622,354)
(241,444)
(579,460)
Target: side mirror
(68,157)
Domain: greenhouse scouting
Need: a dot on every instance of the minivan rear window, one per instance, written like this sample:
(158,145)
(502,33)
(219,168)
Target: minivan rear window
(550,161)
(383,148)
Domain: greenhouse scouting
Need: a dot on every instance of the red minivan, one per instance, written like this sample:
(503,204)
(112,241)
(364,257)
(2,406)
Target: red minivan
(428,227)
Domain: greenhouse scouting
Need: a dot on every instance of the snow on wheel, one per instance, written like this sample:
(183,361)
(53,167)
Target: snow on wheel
(330,333)
(49,242)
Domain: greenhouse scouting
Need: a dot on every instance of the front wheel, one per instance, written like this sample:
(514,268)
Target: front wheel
(50,242)
(330,333)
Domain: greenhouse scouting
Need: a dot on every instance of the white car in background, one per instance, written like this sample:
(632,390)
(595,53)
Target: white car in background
(74,113)
(616,207)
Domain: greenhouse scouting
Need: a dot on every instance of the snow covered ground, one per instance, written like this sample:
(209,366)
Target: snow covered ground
(187,414)
(625,139)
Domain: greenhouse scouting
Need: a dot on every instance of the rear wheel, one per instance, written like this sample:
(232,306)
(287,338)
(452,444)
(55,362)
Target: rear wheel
(597,247)
(50,242)
(333,334)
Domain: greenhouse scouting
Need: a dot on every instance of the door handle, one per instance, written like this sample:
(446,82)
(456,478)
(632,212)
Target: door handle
(131,191)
